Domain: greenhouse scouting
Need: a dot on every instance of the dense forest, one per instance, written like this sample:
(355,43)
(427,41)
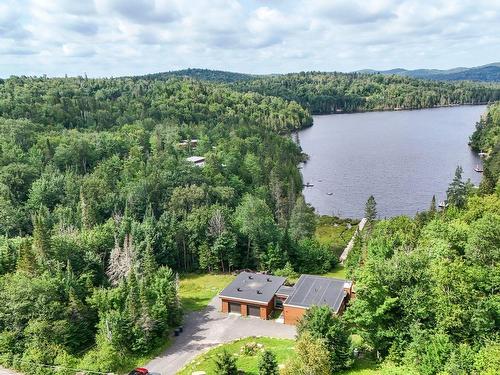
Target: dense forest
(219,76)
(486,138)
(428,295)
(324,93)
(99,209)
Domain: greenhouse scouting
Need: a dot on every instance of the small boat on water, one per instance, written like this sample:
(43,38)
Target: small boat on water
(442,204)
(329,193)
(478,169)
(308,184)
(482,154)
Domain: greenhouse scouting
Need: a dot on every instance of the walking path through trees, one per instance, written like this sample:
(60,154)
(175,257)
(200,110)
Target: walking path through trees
(349,246)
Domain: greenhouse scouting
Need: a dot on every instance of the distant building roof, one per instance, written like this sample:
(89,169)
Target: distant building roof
(253,287)
(320,291)
(196,159)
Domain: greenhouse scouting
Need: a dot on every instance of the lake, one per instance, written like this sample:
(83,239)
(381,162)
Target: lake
(402,158)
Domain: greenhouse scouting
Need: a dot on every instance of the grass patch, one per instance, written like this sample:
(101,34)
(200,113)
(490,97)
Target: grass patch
(363,366)
(338,272)
(197,290)
(335,232)
(282,348)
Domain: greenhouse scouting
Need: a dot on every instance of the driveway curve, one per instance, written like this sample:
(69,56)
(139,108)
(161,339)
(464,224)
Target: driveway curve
(208,328)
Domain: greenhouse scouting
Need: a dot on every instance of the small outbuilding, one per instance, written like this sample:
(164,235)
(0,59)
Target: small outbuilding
(199,161)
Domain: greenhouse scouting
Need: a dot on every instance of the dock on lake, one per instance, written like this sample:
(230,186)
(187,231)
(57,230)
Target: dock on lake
(349,246)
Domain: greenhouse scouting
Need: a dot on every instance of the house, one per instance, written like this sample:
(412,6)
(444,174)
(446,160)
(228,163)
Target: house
(316,291)
(186,143)
(254,294)
(199,161)
(251,294)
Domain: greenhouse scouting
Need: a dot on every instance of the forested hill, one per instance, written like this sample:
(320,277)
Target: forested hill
(484,73)
(203,74)
(105,103)
(427,291)
(324,93)
(99,208)
(486,138)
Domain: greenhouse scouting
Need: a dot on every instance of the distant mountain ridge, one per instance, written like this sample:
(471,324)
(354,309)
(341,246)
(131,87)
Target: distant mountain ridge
(485,73)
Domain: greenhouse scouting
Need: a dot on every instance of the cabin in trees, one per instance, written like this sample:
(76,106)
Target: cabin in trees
(199,161)
(188,143)
(258,295)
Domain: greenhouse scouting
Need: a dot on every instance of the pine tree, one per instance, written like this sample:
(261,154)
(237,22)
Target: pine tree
(41,236)
(268,364)
(432,209)
(302,220)
(149,264)
(371,209)
(457,191)
(133,297)
(27,259)
(225,364)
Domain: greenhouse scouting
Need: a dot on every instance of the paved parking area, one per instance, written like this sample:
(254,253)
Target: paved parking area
(208,328)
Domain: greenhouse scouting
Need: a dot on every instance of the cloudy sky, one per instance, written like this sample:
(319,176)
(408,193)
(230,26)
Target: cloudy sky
(123,37)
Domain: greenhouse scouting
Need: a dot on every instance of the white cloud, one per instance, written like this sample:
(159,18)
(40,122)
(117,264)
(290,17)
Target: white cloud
(115,37)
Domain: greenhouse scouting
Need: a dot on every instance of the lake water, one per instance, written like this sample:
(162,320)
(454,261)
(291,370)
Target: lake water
(401,158)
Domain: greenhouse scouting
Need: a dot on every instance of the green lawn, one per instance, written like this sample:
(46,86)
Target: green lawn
(362,366)
(283,349)
(338,272)
(334,232)
(196,290)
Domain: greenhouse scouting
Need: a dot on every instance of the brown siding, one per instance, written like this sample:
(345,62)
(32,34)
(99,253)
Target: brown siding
(293,314)
(265,310)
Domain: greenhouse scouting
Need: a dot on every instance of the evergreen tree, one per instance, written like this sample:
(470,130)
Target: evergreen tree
(133,297)
(41,236)
(27,258)
(371,209)
(268,364)
(433,208)
(302,220)
(225,364)
(149,264)
(457,191)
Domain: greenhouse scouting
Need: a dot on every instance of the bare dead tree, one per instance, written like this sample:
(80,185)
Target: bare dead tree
(120,260)
(217,224)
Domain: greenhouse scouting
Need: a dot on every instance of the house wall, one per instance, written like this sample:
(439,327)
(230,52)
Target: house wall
(292,314)
(265,310)
(225,306)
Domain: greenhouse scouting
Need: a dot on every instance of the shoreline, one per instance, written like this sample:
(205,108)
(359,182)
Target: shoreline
(399,109)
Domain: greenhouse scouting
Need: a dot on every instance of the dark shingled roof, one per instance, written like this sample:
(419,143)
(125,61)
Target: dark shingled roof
(316,290)
(253,287)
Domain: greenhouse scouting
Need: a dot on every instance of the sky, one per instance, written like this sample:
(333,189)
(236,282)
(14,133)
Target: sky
(129,37)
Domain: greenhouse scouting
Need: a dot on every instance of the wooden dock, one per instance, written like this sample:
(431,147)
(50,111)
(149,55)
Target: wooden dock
(349,246)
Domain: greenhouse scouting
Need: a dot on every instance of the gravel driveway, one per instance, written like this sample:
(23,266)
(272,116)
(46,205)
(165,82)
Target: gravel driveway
(208,328)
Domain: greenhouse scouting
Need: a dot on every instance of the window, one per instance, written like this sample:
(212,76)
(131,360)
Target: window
(278,303)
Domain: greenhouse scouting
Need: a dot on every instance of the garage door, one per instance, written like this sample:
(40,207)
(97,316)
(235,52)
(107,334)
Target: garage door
(254,310)
(234,307)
